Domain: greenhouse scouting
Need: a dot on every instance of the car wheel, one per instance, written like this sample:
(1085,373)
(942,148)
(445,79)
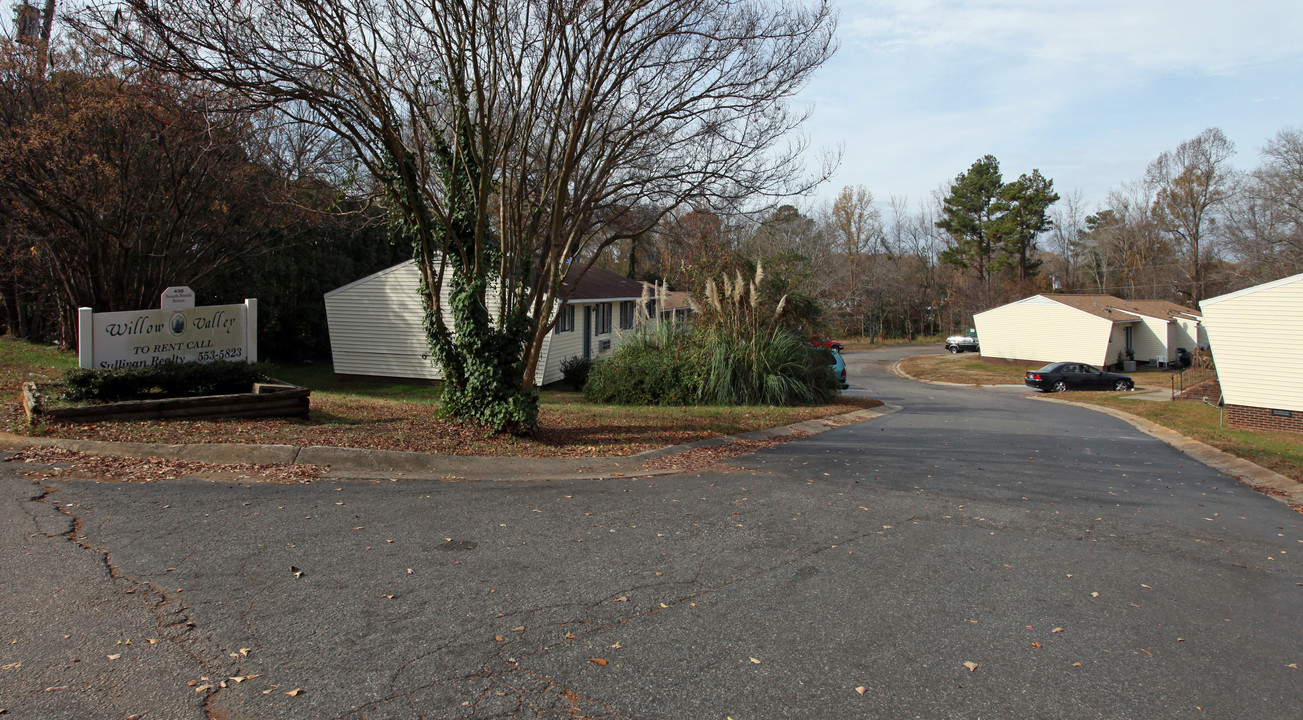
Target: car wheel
(1059,386)
(954,349)
(1121,385)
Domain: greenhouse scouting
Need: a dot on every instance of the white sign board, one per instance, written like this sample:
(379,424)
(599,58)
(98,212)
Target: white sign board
(142,338)
(177,297)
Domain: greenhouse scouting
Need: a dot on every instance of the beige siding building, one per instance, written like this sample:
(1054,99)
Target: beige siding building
(1096,329)
(1255,343)
(376,324)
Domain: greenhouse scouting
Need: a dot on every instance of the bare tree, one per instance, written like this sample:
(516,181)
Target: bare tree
(1265,225)
(513,136)
(1191,185)
(1065,241)
(856,226)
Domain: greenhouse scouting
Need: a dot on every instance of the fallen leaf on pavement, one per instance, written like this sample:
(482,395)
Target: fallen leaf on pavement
(114,656)
(1057,630)
(755,661)
(244,652)
(970,665)
(599,661)
(1036,644)
(615,646)
(294,693)
(861,689)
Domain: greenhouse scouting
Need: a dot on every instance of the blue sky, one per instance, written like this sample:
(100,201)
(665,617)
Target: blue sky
(1086,92)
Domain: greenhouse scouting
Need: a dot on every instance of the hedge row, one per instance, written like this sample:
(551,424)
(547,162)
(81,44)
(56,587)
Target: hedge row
(188,379)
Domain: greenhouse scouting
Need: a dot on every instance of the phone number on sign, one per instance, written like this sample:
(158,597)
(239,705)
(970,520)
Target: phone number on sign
(224,354)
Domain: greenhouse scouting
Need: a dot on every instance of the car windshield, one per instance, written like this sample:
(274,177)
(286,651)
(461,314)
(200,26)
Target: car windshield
(1052,367)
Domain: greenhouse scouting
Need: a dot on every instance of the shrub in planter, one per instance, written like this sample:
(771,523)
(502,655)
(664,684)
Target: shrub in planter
(167,380)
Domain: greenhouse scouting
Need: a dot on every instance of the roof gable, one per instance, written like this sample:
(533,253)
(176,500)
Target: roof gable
(1255,289)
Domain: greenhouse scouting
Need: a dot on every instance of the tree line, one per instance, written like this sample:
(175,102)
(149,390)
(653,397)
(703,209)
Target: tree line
(1192,227)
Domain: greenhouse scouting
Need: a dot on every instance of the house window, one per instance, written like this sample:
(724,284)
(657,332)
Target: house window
(626,315)
(603,320)
(565,321)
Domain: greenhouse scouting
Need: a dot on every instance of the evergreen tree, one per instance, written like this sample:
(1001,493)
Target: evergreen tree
(967,213)
(1023,214)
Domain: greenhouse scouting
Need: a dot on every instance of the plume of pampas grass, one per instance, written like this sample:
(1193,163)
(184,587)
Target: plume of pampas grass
(782,303)
(712,294)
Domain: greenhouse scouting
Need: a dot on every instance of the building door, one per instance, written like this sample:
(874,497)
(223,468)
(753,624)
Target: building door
(588,331)
(1131,348)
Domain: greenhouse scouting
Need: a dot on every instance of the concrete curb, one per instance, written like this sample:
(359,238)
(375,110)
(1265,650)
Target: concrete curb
(359,463)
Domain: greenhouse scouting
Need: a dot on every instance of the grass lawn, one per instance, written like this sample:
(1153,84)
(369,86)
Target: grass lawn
(1282,452)
(400,416)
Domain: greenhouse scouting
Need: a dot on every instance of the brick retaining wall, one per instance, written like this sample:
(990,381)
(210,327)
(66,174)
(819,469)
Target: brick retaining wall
(1256,418)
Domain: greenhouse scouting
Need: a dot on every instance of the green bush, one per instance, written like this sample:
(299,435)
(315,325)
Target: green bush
(167,380)
(647,370)
(575,370)
(702,366)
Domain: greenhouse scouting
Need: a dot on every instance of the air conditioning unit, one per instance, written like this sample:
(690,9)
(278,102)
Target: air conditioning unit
(604,345)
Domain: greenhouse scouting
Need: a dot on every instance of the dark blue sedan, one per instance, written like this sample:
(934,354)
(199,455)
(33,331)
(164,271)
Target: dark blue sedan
(1057,377)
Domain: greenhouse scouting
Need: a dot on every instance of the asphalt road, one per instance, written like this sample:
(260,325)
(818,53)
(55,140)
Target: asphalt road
(1081,569)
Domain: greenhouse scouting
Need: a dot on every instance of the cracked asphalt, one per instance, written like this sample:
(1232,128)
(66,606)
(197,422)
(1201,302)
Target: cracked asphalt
(1079,567)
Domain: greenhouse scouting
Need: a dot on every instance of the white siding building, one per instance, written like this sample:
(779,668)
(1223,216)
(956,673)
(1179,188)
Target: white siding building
(1255,343)
(1096,329)
(376,324)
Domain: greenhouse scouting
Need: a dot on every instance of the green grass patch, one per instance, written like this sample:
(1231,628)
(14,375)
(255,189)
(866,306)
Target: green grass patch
(321,379)
(962,368)
(22,361)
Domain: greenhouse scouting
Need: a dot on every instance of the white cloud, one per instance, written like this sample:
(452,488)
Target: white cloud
(1088,92)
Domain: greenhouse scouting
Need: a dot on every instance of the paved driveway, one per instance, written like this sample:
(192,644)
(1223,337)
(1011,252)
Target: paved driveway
(978,554)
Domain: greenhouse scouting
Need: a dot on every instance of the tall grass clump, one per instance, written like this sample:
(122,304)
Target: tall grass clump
(735,351)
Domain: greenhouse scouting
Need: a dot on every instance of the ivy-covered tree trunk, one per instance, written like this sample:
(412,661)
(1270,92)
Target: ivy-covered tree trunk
(481,358)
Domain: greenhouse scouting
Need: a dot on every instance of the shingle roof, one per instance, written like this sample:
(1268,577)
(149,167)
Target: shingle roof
(599,284)
(1113,308)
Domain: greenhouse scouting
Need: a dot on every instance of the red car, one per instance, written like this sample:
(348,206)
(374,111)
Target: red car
(824,342)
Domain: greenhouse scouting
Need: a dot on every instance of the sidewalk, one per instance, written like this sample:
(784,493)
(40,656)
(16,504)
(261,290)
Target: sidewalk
(367,464)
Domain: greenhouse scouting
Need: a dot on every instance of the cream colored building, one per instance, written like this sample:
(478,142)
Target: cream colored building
(1255,343)
(376,324)
(1096,329)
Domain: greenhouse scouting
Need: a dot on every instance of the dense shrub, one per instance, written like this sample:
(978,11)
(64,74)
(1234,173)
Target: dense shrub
(653,367)
(167,380)
(574,371)
(736,352)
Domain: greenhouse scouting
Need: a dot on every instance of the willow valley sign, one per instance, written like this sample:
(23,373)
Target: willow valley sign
(177,332)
